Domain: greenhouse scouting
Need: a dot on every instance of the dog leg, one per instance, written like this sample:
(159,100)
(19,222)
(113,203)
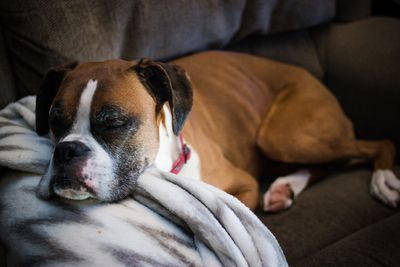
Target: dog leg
(220,172)
(237,182)
(304,125)
(385,186)
(284,190)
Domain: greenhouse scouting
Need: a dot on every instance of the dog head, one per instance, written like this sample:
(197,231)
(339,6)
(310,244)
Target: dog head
(104,119)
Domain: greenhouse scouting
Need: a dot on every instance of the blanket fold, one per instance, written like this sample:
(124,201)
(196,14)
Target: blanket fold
(169,220)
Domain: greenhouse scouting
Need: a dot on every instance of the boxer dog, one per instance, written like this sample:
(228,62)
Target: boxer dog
(111,120)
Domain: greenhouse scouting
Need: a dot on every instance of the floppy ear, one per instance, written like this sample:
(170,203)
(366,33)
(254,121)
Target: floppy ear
(168,82)
(47,92)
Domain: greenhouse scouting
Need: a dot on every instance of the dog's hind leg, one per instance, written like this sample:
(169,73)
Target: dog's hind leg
(234,181)
(220,172)
(305,125)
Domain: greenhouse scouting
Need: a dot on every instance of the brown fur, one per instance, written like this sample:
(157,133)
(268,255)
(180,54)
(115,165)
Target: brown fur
(245,104)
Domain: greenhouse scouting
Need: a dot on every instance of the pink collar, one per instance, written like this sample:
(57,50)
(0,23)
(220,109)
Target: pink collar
(184,156)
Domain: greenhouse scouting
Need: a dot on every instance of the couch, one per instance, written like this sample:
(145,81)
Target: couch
(356,54)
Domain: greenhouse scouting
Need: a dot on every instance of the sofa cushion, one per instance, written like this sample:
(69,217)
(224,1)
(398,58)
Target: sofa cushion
(43,33)
(295,48)
(375,245)
(352,10)
(327,212)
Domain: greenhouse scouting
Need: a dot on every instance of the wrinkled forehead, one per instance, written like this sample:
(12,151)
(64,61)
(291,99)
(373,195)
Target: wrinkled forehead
(116,84)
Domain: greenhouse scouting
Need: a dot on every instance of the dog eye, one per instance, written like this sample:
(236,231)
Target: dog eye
(115,124)
(110,123)
(112,119)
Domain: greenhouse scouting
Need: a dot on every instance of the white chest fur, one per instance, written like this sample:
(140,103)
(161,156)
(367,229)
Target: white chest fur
(169,150)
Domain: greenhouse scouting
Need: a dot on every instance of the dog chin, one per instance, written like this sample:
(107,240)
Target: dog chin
(72,194)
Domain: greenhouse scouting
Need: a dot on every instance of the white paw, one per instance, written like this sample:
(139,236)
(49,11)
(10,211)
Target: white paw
(386,187)
(282,192)
(278,197)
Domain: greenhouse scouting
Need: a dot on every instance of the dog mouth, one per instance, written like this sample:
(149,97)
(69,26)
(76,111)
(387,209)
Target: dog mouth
(73,182)
(70,186)
(73,194)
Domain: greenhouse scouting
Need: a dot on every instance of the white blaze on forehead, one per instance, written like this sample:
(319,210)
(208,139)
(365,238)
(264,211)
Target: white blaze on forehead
(82,123)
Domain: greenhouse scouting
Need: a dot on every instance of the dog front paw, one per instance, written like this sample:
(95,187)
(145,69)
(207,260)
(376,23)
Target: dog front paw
(281,194)
(385,186)
(279,197)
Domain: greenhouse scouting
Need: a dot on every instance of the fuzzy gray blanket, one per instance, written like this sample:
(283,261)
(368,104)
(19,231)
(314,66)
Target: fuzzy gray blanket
(168,221)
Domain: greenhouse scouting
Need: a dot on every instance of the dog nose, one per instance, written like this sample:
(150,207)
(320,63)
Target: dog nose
(65,151)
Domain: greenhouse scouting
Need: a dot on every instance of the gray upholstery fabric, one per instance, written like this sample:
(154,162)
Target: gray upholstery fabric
(43,33)
(375,245)
(327,212)
(261,17)
(295,48)
(7,90)
(2,256)
(347,11)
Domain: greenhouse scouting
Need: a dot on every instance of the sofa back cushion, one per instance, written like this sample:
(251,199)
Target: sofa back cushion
(40,34)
